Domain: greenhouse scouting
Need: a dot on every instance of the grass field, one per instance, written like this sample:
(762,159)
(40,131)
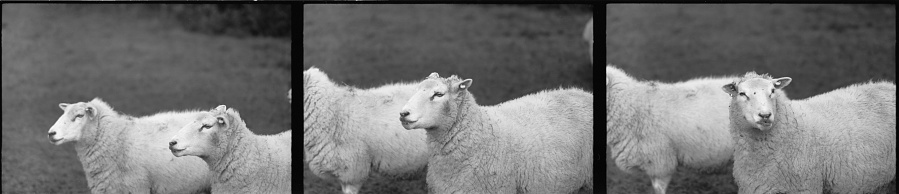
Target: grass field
(822,47)
(139,62)
(509,51)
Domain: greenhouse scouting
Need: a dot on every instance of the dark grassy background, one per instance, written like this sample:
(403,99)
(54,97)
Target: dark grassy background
(822,47)
(141,61)
(509,51)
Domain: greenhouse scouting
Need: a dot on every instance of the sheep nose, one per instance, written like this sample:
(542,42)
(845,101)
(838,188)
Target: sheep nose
(172,143)
(404,113)
(765,115)
(51,134)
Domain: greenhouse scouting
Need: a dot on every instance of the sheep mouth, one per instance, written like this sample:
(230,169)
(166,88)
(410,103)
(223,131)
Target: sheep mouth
(765,122)
(54,141)
(176,152)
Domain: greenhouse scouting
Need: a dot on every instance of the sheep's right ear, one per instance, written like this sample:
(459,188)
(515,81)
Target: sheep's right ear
(782,82)
(434,75)
(730,88)
(63,106)
(221,108)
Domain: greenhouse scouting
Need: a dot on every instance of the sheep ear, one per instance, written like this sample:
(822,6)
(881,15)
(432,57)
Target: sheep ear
(91,111)
(63,106)
(221,108)
(464,84)
(434,75)
(730,88)
(782,82)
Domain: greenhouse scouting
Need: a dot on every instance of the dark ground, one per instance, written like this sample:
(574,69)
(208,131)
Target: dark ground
(509,51)
(138,62)
(822,47)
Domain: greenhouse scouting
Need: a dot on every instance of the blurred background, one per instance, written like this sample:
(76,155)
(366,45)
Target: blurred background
(508,50)
(822,47)
(141,59)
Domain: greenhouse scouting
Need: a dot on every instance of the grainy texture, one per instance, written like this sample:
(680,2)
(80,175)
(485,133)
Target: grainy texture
(823,47)
(511,50)
(140,62)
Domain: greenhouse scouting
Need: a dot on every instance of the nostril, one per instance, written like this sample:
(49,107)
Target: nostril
(766,115)
(52,133)
(404,113)
(172,143)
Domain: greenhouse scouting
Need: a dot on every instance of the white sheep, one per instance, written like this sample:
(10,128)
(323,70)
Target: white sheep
(588,35)
(349,133)
(539,143)
(843,141)
(123,154)
(656,127)
(240,161)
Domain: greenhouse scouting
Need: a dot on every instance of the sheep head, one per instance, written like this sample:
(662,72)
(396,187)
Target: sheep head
(71,125)
(754,97)
(200,137)
(435,101)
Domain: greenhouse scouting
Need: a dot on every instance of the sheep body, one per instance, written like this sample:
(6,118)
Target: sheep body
(123,154)
(350,133)
(539,143)
(843,141)
(657,127)
(240,161)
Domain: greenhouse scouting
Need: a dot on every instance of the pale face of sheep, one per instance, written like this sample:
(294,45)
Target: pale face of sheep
(199,137)
(755,98)
(433,102)
(69,126)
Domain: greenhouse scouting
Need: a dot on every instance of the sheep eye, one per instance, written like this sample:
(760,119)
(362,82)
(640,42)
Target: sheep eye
(76,117)
(205,127)
(438,94)
(742,94)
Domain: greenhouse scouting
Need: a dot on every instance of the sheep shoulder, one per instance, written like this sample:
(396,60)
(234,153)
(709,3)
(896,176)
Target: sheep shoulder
(258,163)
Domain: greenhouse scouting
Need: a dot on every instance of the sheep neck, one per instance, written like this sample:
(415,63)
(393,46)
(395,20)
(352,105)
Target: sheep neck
(322,111)
(619,113)
(234,142)
(469,118)
(102,149)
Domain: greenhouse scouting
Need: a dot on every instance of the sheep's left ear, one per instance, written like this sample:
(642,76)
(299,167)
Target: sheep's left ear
(730,88)
(782,82)
(91,111)
(464,84)
(434,75)
(220,120)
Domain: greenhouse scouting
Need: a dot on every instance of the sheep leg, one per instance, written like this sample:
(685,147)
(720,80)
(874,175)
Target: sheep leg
(351,188)
(660,183)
